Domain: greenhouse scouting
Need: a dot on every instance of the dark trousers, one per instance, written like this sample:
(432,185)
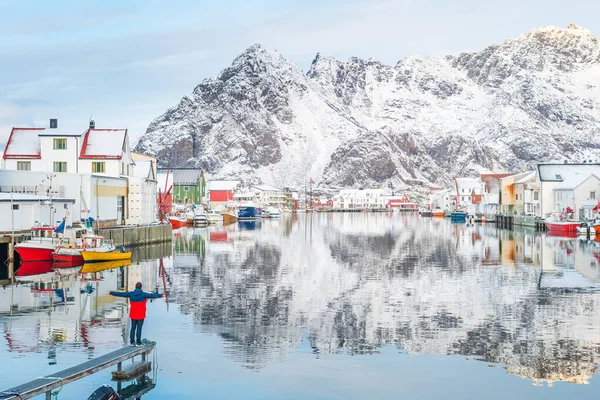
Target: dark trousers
(136,331)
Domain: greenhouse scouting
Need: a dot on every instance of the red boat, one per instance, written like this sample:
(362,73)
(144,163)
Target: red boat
(67,260)
(40,247)
(560,224)
(178,222)
(35,251)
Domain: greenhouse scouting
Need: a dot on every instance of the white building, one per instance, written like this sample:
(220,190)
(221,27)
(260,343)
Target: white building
(102,197)
(466,188)
(96,168)
(349,199)
(550,176)
(97,151)
(142,191)
(23,211)
(266,195)
(444,199)
(579,191)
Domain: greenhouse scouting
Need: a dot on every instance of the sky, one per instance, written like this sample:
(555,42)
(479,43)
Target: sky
(124,63)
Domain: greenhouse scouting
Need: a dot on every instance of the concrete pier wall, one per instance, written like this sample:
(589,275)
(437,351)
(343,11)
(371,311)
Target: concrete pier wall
(137,235)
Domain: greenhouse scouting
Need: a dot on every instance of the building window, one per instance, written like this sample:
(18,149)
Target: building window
(98,166)
(60,166)
(593,195)
(15,206)
(536,195)
(60,144)
(23,165)
(186,188)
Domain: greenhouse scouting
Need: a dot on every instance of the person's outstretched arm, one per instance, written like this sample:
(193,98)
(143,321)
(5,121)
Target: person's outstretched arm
(152,295)
(119,294)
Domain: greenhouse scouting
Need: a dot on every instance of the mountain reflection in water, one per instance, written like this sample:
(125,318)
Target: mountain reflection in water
(352,283)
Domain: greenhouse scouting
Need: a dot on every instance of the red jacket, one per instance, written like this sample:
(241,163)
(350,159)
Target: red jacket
(137,302)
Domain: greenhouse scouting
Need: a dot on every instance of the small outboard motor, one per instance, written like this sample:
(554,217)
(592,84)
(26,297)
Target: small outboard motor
(104,392)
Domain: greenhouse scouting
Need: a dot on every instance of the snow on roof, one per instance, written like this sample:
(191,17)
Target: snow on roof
(559,172)
(222,185)
(103,143)
(267,188)
(468,182)
(22,197)
(574,181)
(527,176)
(23,143)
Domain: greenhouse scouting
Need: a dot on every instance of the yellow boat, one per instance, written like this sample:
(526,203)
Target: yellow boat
(103,265)
(95,256)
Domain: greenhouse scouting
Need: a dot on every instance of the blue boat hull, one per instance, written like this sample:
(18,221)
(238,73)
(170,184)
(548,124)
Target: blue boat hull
(245,213)
(458,215)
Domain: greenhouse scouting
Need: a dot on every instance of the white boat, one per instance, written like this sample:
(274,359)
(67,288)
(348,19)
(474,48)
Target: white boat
(214,216)
(200,217)
(272,212)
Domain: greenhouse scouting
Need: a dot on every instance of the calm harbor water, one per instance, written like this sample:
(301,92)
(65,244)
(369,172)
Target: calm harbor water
(329,306)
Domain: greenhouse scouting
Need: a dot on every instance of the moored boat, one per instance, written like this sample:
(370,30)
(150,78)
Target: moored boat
(458,215)
(93,256)
(71,254)
(272,212)
(200,217)
(42,243)
(214,216)
(248,212)
(178,221)
(438,213)
(561,225)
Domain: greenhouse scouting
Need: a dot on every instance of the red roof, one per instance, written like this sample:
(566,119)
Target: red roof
(103,143)
(22,144)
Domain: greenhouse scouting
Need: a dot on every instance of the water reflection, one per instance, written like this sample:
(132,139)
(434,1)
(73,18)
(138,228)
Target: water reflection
(352,283)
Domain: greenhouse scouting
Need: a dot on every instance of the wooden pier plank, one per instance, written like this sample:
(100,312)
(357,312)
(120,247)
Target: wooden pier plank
(50,382)
(132,371)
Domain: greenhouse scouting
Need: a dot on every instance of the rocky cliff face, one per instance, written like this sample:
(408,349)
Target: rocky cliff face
(361,123)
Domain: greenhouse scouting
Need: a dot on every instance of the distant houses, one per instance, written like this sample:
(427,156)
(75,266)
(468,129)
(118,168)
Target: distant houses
(548,188)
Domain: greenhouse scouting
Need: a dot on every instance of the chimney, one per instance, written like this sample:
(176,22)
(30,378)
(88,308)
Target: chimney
(92,124)
(53,123)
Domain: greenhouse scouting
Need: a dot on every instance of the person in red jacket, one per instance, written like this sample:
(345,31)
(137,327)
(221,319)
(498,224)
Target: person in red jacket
(137,310)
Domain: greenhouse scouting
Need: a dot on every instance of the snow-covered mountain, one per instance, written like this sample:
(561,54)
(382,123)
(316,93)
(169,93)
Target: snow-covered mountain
(361,123)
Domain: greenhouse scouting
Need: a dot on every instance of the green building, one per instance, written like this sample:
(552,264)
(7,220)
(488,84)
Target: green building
(189,186)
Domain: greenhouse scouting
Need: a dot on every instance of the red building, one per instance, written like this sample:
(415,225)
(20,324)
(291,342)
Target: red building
(402,203)
(221,192)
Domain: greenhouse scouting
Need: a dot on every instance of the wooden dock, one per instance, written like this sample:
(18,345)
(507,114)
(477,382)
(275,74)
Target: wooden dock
(49,383)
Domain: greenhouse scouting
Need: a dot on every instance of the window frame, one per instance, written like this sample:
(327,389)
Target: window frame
(26,163)
(59,163)
(56,141)
(95,164)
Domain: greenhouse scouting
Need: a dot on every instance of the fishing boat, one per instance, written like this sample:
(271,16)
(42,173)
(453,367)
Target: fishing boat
(178,221)
(71,253)
(272,212)
(458,215)
(200,217)
(214,216)
(586,229)
(560,224)
(230,215)
(42,243)
(248,213)
(94,256)
(438,213)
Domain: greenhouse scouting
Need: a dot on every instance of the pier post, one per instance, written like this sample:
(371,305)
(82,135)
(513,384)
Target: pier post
(48,395)
(11,261)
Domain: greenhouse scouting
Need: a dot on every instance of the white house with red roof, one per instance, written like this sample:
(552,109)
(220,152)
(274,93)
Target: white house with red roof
(96,168)
(96,151)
